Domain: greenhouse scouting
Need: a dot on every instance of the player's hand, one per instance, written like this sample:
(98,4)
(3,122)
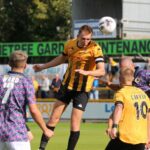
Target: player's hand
(108,132)
(37,68)
(147,146)
(83,72)
(113,133)
(48,133)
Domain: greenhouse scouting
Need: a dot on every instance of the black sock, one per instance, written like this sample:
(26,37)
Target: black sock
(73,139)
(44,139)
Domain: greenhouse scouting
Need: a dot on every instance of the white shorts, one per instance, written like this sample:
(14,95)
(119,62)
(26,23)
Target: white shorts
(15,145)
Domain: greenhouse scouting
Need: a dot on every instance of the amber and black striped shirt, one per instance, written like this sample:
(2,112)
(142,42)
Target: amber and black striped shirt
(81,58)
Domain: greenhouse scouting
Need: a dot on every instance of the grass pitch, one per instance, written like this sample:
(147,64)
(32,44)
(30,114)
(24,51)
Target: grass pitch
(92,136)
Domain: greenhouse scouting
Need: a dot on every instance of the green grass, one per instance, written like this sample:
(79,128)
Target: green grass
(92,136)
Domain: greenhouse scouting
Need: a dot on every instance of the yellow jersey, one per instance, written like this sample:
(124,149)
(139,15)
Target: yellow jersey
(133,123)
(81,58)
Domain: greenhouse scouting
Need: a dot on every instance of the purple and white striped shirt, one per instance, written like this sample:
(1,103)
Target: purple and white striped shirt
(16,92)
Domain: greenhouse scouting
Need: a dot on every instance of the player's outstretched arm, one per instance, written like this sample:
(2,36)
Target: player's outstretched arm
(114,87)
(39,120)
(55,62)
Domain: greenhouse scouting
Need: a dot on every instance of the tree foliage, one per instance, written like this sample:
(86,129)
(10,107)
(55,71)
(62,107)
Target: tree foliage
(34,20)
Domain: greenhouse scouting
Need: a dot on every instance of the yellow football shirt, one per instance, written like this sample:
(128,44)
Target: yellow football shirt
(81,58)
(133,123)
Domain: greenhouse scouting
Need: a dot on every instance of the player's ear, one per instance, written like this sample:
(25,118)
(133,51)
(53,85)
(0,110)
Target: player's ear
(25,66)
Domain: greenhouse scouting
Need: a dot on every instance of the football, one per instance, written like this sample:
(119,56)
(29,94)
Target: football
(107,25)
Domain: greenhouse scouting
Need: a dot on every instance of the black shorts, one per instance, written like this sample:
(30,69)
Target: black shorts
(116,144)
(79,98)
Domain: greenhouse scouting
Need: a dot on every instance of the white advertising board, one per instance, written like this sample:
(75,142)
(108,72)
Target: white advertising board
(94,110)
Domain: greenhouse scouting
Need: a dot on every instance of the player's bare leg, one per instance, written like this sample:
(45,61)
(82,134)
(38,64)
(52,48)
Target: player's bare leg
(57,111)
(75,128)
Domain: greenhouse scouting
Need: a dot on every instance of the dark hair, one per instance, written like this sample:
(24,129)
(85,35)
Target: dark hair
(85,28)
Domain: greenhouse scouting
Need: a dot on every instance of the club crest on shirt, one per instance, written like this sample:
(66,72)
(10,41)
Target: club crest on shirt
(137,80)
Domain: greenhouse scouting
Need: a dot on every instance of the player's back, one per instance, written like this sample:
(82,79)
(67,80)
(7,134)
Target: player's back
(15,89)
(133,120)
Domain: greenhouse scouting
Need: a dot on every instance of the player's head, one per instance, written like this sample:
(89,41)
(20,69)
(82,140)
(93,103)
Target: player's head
(126,76)
(85,35)
(18,59)
(126,62)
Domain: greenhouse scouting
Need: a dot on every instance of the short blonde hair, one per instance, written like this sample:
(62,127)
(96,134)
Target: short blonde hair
(126,74)
(18,59)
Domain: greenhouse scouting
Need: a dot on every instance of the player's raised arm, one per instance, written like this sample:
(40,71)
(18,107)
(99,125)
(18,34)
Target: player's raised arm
(55,62)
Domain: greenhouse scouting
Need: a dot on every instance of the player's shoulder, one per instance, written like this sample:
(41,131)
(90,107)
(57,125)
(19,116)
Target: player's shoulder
(26,80)
(137,90)
(71,42)
(121,91)
(94,47)
(126,89)
(94,43)
(140,91)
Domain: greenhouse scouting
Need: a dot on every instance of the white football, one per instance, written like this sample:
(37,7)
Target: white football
(107,25)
